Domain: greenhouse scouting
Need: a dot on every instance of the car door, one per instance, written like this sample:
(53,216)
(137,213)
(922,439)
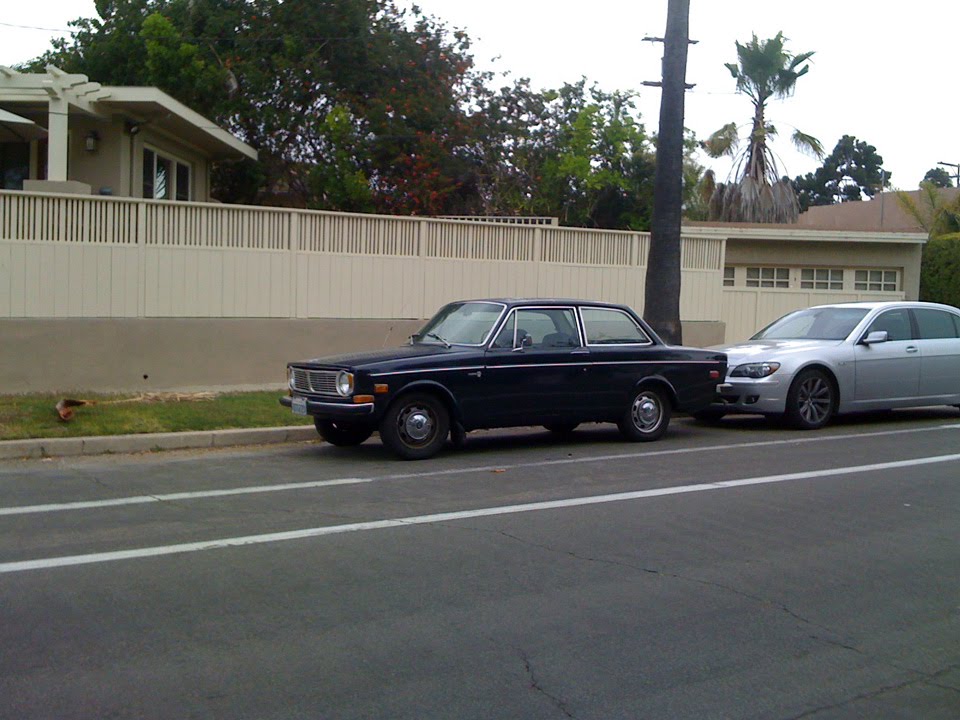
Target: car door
(939,340)
(533,369)
(620,353)
(888,371)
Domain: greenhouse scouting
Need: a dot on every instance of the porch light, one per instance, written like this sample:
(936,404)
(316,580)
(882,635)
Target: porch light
(91,141)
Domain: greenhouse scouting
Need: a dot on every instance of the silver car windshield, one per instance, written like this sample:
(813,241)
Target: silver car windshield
(468,323)
(824,323)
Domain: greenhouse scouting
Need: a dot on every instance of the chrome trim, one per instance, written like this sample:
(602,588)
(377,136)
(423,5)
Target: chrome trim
(332,408)
(316,382)
(442,369)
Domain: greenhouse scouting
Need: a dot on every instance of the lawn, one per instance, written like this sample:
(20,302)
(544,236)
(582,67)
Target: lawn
(35,416)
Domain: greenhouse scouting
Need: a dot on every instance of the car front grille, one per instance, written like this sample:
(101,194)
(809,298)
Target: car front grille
(320,382)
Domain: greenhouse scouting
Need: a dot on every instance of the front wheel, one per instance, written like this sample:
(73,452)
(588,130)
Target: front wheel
(342,434)
(647,417)
(811,401)
(415,427)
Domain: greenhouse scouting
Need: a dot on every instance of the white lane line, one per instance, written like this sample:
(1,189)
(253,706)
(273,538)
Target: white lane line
(201,494)
(24,565)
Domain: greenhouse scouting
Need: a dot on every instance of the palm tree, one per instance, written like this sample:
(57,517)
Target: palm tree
(759,192)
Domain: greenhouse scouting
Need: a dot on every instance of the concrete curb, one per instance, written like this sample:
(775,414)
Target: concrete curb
(101,444)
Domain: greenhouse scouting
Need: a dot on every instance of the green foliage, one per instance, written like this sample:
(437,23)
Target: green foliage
(852,170)
(764,71)
(358,105)
(938,177)
(940,270)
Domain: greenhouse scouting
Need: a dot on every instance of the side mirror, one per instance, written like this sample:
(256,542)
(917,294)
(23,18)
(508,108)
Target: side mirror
(877,336)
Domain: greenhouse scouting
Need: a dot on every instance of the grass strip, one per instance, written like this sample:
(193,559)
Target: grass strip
(35,416)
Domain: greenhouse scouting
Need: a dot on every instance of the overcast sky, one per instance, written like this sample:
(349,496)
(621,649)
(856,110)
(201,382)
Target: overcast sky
(885,72)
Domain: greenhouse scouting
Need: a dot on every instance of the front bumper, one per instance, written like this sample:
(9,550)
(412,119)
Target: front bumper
(333,411)
(767,396)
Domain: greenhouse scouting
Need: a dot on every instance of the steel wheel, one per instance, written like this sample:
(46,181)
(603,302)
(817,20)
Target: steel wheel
(811,401)
(415,426)
(647,417)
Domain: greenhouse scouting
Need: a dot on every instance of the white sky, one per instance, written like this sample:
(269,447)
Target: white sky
(883,71)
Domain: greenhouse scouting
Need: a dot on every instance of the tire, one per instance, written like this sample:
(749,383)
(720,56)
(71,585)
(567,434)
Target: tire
(415,427)
(812,400)
(562,428)
(709,416)
(342,434)
(647,416)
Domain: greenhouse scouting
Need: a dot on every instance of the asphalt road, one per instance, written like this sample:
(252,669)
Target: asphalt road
(742,571)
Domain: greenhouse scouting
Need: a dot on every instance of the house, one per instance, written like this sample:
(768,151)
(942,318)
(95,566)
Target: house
(884,213)
(61,133)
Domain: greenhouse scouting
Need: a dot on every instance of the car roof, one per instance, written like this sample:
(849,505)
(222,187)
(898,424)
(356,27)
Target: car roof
(512,302)
(889,304)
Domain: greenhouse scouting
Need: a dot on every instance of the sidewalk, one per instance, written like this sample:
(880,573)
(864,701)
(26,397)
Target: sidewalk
(101,444)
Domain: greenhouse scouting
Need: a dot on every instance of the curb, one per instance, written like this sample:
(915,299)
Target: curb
(102,444)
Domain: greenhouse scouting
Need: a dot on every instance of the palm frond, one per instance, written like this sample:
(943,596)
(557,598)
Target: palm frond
(807,144)
(723,142)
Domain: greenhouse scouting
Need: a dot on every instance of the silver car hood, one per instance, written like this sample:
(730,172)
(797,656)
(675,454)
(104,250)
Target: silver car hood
(766,350)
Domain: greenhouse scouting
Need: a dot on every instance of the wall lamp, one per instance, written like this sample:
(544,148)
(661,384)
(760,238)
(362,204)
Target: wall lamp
(91,141)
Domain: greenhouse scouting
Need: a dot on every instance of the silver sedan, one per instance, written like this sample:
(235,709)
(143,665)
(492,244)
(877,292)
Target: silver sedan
(815,363)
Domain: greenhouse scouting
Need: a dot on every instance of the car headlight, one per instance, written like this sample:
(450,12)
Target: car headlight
(755,370)
(345,383)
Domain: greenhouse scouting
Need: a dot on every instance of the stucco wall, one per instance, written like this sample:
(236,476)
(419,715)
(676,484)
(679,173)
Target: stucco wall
(105,355)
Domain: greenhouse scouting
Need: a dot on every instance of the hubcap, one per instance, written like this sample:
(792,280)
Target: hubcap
(646,412)
(815,400)
(416,424)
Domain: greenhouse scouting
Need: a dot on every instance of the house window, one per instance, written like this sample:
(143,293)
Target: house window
(821,279)
(729,276)
(14,165)
(165,178)
(877,280)
(768,277)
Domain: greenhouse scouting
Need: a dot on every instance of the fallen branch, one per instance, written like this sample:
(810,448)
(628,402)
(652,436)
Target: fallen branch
(65,406)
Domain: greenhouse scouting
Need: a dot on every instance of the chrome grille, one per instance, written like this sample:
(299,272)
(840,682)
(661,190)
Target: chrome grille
(321,382)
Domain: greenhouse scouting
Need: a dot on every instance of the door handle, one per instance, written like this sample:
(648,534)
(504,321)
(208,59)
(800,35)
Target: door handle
(911,348)
(476,373)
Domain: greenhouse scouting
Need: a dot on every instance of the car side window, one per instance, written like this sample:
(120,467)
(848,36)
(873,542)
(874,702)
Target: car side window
(540,328)
(895,322)
(935,324)
(607,326)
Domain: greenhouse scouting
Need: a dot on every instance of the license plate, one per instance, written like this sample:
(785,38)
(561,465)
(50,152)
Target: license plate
(299,406)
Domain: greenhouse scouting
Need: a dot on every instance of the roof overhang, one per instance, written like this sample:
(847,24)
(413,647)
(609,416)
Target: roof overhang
(777,233)
(154,107)
(19,129)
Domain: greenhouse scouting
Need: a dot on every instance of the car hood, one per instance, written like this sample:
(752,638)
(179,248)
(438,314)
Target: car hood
(375,357)
(767,350)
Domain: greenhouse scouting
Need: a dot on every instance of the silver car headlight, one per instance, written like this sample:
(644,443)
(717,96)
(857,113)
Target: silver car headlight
(755,370)
(345,383)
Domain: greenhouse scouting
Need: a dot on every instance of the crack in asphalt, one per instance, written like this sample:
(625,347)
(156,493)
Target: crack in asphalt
(925,679)
(535,684)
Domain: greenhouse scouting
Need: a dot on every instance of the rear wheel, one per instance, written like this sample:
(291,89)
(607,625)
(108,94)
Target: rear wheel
(811,401)
(562,428)
(342,434)
(415,427)
(647,417)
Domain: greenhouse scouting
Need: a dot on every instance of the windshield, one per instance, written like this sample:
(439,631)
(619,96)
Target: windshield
(468,323)
(823,323)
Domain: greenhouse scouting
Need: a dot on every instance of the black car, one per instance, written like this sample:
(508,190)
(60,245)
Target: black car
(504,363)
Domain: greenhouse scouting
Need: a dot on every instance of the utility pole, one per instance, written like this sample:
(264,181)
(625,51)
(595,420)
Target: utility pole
(661,305)
(956,166)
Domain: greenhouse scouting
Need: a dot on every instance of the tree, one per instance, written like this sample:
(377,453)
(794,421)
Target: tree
(938,177)
(764,71)
(938,213)
(852,170)
(661,306)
